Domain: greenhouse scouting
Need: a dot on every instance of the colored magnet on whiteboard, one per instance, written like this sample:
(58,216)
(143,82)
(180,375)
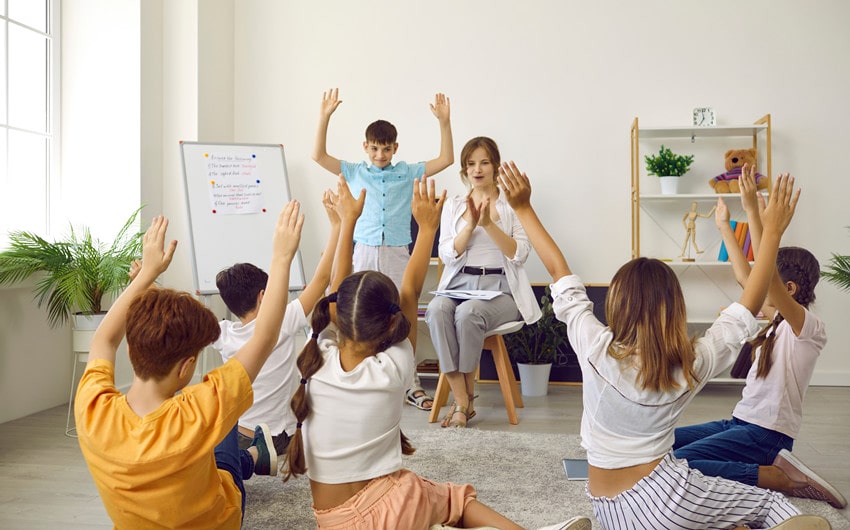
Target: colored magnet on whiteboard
(214,211)
(264,210)
(206,155)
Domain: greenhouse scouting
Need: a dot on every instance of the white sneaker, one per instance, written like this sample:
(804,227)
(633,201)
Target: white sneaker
(804,522)
(576,523)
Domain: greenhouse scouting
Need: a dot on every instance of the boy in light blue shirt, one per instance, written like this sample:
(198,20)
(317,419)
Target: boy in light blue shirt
(382,233)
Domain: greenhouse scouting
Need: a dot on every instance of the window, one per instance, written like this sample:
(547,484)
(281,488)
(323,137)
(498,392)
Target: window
(28,114)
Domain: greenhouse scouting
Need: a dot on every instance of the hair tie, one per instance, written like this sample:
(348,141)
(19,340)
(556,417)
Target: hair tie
(303,381)
(298,425)
(315,336)
(332,298)
(393,309)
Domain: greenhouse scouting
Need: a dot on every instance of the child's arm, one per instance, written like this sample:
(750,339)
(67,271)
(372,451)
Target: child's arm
(156,258)
(442,110)
(330,101)
(775,218)
(517,189)
(253,354)
(778,296)
(740,266)
(316,288)
(426,208)
(349,209)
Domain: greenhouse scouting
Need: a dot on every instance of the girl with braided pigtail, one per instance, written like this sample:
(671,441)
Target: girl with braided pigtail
(754,446)
(354,371)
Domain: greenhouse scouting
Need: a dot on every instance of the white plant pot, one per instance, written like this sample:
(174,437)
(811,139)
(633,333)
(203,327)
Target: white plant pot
(534,378)
(82,330)
(669,185)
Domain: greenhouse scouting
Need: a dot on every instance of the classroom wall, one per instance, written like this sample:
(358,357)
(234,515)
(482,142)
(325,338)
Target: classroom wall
(556,83)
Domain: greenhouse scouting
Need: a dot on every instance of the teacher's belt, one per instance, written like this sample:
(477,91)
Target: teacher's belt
(481,271)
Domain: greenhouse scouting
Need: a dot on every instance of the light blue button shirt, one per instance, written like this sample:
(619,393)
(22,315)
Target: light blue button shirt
(386,215)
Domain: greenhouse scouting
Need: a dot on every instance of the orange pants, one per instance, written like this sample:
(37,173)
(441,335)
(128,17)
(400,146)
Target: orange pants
(399,500)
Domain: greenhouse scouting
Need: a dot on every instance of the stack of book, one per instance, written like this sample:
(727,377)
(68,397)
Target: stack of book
(742,235)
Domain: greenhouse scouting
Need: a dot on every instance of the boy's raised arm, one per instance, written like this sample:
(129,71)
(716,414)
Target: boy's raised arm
(156,257)
(330,101)
(517,190)
(287,235)
(441,108)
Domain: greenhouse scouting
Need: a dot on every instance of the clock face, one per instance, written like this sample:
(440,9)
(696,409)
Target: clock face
(704,117)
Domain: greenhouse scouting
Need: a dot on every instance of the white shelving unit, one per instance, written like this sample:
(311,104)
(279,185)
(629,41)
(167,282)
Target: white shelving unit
(657,230)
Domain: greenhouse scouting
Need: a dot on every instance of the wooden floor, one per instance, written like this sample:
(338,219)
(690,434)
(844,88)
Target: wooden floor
(44,483)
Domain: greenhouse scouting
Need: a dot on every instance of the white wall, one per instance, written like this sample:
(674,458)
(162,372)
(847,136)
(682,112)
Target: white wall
(557,84)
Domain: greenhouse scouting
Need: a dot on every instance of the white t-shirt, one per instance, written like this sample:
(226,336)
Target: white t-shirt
(622,424)
(775,402)
(352,431)
(277,380)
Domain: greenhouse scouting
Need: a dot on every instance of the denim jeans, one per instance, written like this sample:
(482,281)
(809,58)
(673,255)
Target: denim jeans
(732,449)
(238,462)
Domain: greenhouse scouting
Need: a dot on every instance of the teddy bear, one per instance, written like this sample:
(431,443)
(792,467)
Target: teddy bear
(735,160)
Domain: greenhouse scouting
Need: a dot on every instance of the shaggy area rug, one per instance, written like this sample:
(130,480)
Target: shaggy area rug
(517,474)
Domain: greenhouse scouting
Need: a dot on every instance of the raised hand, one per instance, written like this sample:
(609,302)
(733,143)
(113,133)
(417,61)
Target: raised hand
(348,208)
(747,183)
(441,108)
(426,205)
(330,101)
(156,256)
(329,200)
(782,205)
(721,213)
(287,234)
(135,267)
(515,185)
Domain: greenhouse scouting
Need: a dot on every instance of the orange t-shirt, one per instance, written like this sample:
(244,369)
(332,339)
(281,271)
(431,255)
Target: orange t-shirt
(159,471)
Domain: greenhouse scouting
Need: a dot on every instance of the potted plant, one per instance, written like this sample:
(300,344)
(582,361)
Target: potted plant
(838,271)
(668,167)
(534,347)
(77,273)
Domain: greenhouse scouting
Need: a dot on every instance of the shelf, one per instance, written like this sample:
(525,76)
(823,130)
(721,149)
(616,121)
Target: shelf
(699,132)
(699,197)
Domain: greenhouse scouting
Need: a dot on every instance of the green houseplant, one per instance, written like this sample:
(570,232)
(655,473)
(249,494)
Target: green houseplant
(838,271)
(76,272)
(536,345)
(667,163)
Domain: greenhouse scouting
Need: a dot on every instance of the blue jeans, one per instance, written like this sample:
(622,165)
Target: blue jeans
(732,449)
(238,462)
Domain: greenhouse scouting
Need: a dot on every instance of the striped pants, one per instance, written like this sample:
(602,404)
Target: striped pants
(675,496)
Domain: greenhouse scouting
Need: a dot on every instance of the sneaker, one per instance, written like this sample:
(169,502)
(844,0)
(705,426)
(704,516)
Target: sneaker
(815,488)
(804,522)
(266,456)
(576,523)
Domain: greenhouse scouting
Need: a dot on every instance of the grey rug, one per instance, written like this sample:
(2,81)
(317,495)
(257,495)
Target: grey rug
(517,474)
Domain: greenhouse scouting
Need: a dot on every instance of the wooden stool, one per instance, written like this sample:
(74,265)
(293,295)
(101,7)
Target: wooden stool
(494,342)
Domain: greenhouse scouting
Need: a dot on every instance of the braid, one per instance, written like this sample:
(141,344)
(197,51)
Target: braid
(407,448)
(309,361)
(766,339)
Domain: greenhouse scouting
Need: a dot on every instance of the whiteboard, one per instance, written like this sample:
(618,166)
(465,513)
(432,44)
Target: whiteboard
(234,193)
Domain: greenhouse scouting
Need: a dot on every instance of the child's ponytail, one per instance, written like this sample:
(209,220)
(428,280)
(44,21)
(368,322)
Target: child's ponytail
(309,361)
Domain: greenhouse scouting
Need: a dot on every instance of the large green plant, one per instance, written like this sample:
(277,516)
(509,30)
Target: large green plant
(538,343)
(667,163)
(838,271)
(77,272)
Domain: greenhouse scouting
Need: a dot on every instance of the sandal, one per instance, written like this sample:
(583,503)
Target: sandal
(458,409)
(471,400)
(411,398)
